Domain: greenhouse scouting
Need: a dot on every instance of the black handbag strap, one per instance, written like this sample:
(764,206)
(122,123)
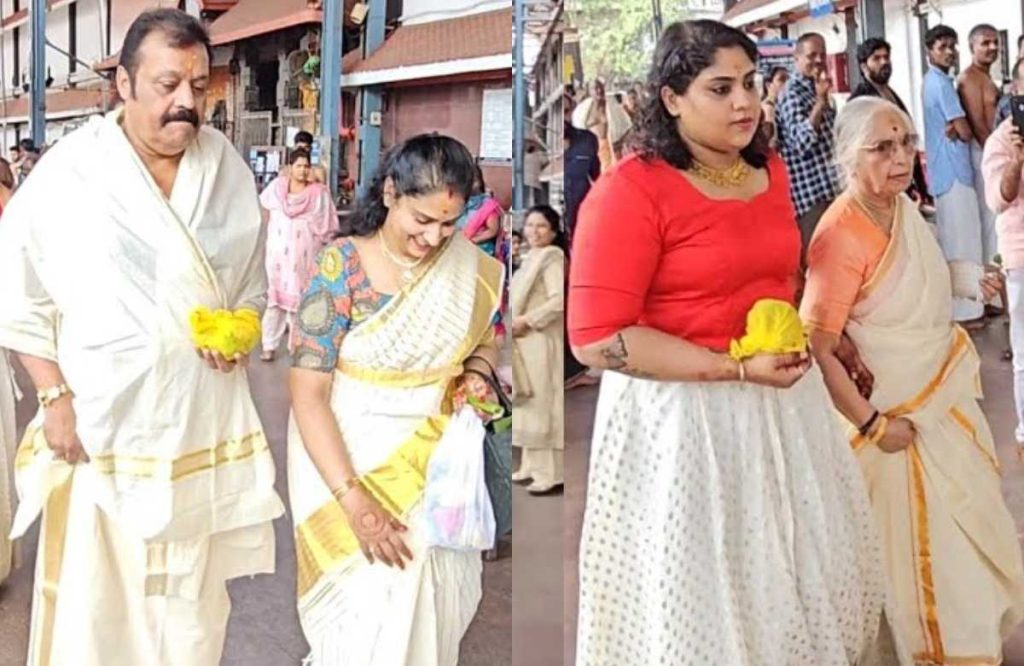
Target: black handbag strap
(492,381)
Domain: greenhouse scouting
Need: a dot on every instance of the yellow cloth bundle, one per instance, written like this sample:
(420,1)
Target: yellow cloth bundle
(773,327)
(224,331)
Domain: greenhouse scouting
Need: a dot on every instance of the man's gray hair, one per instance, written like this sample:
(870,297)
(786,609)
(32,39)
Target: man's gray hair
(853,126)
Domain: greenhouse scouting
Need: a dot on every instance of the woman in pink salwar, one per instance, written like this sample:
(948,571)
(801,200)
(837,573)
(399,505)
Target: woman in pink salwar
(302,220)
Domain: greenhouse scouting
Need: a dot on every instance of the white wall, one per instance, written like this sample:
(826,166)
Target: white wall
(8,48)
(89,43)
(424,11)
(90,33)
(834,43)
(901,32)
(25,49)
(58,32)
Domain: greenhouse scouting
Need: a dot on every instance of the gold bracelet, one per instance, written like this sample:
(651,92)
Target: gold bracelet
(48,396)
(346,486)
(742,371)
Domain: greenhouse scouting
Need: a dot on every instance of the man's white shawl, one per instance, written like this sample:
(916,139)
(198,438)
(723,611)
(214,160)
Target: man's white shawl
(99,272)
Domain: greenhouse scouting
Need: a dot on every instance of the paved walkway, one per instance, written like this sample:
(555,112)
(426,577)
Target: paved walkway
(998,406)
(264,627)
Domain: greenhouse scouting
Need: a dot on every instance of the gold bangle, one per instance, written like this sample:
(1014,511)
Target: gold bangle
(346,486)
(879,432)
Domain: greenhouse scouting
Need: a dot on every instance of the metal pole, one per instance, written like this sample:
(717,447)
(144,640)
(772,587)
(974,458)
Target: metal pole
(370,131)
(519,110)
(4,82)
(38,74)
(330,88)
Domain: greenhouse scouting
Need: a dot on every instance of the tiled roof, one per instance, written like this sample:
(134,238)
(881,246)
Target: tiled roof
(249,18)
(473,36)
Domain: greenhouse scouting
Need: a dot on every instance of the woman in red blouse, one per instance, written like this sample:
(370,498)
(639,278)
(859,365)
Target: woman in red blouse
(726,520)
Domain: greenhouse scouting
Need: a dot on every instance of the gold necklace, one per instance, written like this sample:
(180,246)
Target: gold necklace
(733,176)
(406,266)
(881,220)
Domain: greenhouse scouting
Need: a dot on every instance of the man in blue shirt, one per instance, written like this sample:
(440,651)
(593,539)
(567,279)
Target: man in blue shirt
(806,118)
(948,138)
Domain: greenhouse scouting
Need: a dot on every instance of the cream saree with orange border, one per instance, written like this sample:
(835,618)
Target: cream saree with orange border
(950,543)
(390,397)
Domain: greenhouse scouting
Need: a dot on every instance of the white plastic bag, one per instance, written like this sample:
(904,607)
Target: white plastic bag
(457,512)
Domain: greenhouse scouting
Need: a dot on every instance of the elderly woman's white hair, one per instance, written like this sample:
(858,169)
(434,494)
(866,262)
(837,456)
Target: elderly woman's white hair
(853,127)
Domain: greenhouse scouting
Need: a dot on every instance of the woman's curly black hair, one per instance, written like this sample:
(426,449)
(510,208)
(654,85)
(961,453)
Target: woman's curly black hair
(423,164)
(684,51)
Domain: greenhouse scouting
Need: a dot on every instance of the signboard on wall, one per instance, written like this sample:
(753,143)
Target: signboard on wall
(496,126)
(772,53)
(820,8)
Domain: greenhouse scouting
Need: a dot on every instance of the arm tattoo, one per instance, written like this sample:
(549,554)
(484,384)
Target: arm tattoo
(616,353)
(616,356)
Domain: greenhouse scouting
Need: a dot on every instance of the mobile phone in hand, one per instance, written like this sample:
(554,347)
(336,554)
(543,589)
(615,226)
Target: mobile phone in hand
(1017,111)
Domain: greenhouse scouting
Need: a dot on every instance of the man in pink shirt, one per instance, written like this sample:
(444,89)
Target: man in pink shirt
(1001,166)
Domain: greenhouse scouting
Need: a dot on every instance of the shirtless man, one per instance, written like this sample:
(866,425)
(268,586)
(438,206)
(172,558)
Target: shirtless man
(597,122)
(979,96)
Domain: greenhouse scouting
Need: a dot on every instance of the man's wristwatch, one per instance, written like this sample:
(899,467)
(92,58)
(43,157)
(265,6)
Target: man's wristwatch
(48,396)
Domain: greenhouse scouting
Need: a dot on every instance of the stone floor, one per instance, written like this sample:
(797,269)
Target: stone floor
(537,592)
(998,406)
(264,626)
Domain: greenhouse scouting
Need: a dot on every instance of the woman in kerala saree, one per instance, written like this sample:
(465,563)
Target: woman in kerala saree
(876,272)
(395,312)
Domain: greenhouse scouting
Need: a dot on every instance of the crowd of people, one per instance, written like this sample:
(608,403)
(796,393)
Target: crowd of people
(834,501)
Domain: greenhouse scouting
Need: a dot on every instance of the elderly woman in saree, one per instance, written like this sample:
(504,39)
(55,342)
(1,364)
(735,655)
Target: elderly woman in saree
(302,220)
(396,318)
(538,323)
(876,272)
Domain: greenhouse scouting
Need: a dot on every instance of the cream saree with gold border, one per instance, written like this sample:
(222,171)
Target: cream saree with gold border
(390,398)
(950,543)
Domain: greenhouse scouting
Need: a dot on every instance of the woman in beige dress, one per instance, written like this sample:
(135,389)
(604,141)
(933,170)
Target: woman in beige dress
(537,304)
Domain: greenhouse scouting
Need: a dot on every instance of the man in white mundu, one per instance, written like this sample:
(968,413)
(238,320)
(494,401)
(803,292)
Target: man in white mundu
(147,460)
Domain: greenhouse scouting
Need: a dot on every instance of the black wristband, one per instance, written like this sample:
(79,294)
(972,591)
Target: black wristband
(866,428)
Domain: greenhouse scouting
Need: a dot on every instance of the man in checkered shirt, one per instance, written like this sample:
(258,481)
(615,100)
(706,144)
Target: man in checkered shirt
(805,119)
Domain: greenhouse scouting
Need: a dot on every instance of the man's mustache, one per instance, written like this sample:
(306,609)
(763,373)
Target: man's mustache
(180,116)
